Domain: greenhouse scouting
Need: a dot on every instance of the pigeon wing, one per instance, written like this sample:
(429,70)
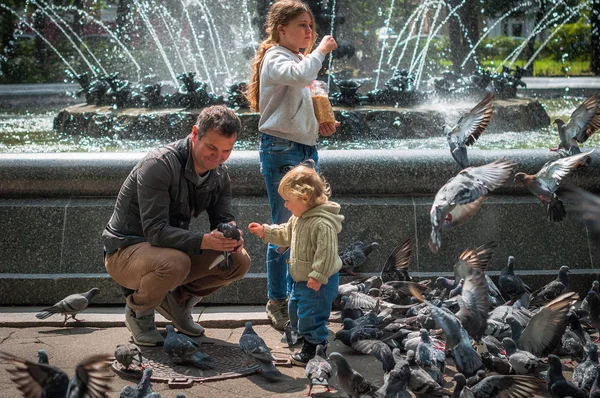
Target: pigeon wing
(379,350)
(396,266)
(585,120)
(471,125)
(510,386)
(34,379)
(91,378)
(475,182)
(546,328)
(552,173)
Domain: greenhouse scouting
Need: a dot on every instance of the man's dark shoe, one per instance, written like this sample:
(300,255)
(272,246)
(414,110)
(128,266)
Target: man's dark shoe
(307,353)
(181,315)
(277,312)
(142,328)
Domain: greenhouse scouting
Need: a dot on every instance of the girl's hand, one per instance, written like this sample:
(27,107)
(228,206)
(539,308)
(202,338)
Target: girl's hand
(326,129)
(327,45)
(256,229)
(314,284)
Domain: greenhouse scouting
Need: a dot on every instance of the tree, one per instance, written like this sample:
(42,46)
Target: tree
(595,23)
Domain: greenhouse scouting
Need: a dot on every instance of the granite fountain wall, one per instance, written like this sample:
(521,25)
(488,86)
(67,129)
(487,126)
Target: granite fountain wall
(54,207)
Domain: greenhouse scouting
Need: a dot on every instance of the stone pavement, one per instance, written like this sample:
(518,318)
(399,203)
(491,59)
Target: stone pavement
(101,329)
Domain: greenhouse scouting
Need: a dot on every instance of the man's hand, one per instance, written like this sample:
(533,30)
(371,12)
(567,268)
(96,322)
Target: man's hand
(326,129)
(215,240)
(313,284)
(256,229)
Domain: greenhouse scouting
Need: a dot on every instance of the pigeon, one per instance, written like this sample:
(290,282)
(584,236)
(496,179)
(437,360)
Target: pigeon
(495,363)
(463,190)
(509,386)
(351,382)
(523,362)
(511,286)
(396,381)
(256,350)
(584,121)
(431,359)
(420,382)
(318,370)
(355,255)
(586,372)
(128,354)
(184,350)
(474,305)
(70,305)
(595,391)
(361,285)
(230,231)
(551,290)
(545,182)
(290,335)
(480,375)
(466,359)
(545,329)
(586,207)
(396,266)
(468,129)
(594,302)
(39,379)
(43,357)
(143,388)
(557,385)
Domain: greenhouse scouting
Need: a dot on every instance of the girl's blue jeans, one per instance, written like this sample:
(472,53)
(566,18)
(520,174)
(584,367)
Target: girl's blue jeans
(277,157)
(310,310)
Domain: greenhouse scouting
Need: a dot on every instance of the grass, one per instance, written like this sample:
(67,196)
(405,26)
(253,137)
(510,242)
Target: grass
(541,67)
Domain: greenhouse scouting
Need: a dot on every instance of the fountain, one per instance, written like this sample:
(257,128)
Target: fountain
(391,95)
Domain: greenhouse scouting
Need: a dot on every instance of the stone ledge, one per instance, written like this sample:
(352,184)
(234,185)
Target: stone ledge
(350,172)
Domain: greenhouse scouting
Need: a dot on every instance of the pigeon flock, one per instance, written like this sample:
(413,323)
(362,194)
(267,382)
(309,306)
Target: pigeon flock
(504,340)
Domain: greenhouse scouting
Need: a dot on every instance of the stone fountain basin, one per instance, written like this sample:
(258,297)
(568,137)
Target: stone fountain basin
(54,207)
(364,122)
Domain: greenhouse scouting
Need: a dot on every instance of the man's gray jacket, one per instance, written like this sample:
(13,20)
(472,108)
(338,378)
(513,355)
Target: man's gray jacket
(154,204)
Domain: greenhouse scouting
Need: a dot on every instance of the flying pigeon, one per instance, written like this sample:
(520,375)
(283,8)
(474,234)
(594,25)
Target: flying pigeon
(463,190)
(396,266)
(256,350)
(586,207)
(584,121)
(39,379)
(545,182)
(468,129)
(185,350)
(318,370)
(70,305)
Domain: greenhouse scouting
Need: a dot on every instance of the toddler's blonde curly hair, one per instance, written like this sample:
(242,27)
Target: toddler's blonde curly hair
(305,183)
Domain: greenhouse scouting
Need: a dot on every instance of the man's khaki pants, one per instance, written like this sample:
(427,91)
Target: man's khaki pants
(151,272)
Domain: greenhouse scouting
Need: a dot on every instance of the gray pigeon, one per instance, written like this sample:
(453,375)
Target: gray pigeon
(318,370)
(584,121)
(557,385)
(474,304)
(511,286)
(232,232)
(128,354)
(510,386)
(379,350)
(360,285)
(38,379)
(290,336)
(586,372)
(256,351)
(465,189)
(466,359)
(355,255)
(468,129)
(396,380)
(184,350)
(523,362)
(70,305)
(551,290)
(545,329)
(351,382)
(545,182)
(143,388)
(420,382)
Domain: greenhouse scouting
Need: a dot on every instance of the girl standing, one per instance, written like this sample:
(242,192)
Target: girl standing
(279,90)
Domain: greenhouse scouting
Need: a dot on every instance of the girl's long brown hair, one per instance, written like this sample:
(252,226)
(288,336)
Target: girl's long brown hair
(280,13)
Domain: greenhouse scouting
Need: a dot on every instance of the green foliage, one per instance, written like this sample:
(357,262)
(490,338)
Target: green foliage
(572,41)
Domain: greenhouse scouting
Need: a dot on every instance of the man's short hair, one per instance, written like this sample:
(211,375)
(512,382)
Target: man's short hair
(218,118)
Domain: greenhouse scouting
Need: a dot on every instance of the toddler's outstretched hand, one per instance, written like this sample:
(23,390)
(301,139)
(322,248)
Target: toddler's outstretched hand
(256,229)
(327,45)
(314,284)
